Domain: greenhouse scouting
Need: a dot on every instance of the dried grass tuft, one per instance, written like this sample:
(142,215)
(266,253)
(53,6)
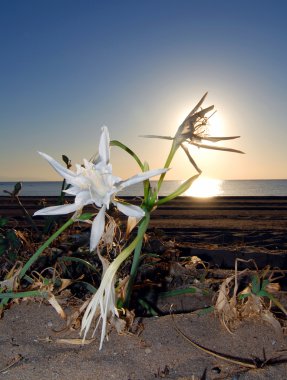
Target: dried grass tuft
(232,306)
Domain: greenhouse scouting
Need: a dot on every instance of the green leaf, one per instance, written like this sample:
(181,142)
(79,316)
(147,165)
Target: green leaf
(182,188)
(88,286)
(31,293)
(262,293)
(204,311)
(13,240)
(3,221)
(264,284)
(2,249)
(148,307)
(255,284)
(129,151)
(178,292)
(78,260)
(120,303)
(245,295)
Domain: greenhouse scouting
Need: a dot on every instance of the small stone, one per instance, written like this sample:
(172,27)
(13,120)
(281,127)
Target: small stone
(216,370)
(147,350)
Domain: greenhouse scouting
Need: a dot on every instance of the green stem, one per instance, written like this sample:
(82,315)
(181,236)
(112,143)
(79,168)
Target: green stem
(43,247)
(173,149)
(31,221)
(136,259)
(53,218)
(128,250)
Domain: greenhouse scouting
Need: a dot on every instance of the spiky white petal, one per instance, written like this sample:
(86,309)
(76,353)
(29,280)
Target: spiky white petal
(104,146)
(57,210)
(130,210)
(139,178)
(98,228)
(64,172)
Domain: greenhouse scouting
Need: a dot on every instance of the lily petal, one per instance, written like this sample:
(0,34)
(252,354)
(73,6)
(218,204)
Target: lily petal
(139,178)
(214,147)
(83,198)
(98,228)
(104,146)
(196,108)
(216,139)
(73,190)
(130,210)
(190,158)
(64,172)
(57,210)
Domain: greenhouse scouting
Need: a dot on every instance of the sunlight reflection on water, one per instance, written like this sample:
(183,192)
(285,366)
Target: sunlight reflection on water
(204,187)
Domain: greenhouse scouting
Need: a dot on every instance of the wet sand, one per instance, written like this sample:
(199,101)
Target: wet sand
(188,212)
(245,227)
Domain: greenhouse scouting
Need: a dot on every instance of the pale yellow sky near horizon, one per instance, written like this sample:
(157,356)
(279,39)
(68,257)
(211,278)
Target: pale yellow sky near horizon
(214,164)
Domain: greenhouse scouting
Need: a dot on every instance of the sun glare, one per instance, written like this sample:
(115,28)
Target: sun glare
(216,125)
(205,187)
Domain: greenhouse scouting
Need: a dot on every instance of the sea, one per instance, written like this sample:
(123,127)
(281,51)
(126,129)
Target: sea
(202,187)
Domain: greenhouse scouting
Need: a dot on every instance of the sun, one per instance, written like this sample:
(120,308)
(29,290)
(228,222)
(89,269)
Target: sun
(205,187)
(215,125)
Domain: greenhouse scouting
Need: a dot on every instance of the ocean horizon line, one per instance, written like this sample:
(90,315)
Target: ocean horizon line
(201,187)
(167,180)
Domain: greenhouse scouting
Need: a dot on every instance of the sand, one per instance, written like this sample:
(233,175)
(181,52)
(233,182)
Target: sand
(159,351)
(218,230)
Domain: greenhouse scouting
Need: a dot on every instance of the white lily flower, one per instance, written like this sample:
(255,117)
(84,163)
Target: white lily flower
(193,131)
(94,183)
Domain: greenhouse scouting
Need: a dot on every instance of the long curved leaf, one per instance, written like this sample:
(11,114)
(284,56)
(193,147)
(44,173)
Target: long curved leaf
(182,188)
(31,293)
(129,151)
(78,260)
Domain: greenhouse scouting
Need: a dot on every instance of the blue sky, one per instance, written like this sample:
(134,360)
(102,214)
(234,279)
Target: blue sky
(68,67)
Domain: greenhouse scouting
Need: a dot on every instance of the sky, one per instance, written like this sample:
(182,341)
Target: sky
(69,67)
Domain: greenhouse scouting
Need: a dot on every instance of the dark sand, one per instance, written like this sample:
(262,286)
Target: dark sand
(218,230)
